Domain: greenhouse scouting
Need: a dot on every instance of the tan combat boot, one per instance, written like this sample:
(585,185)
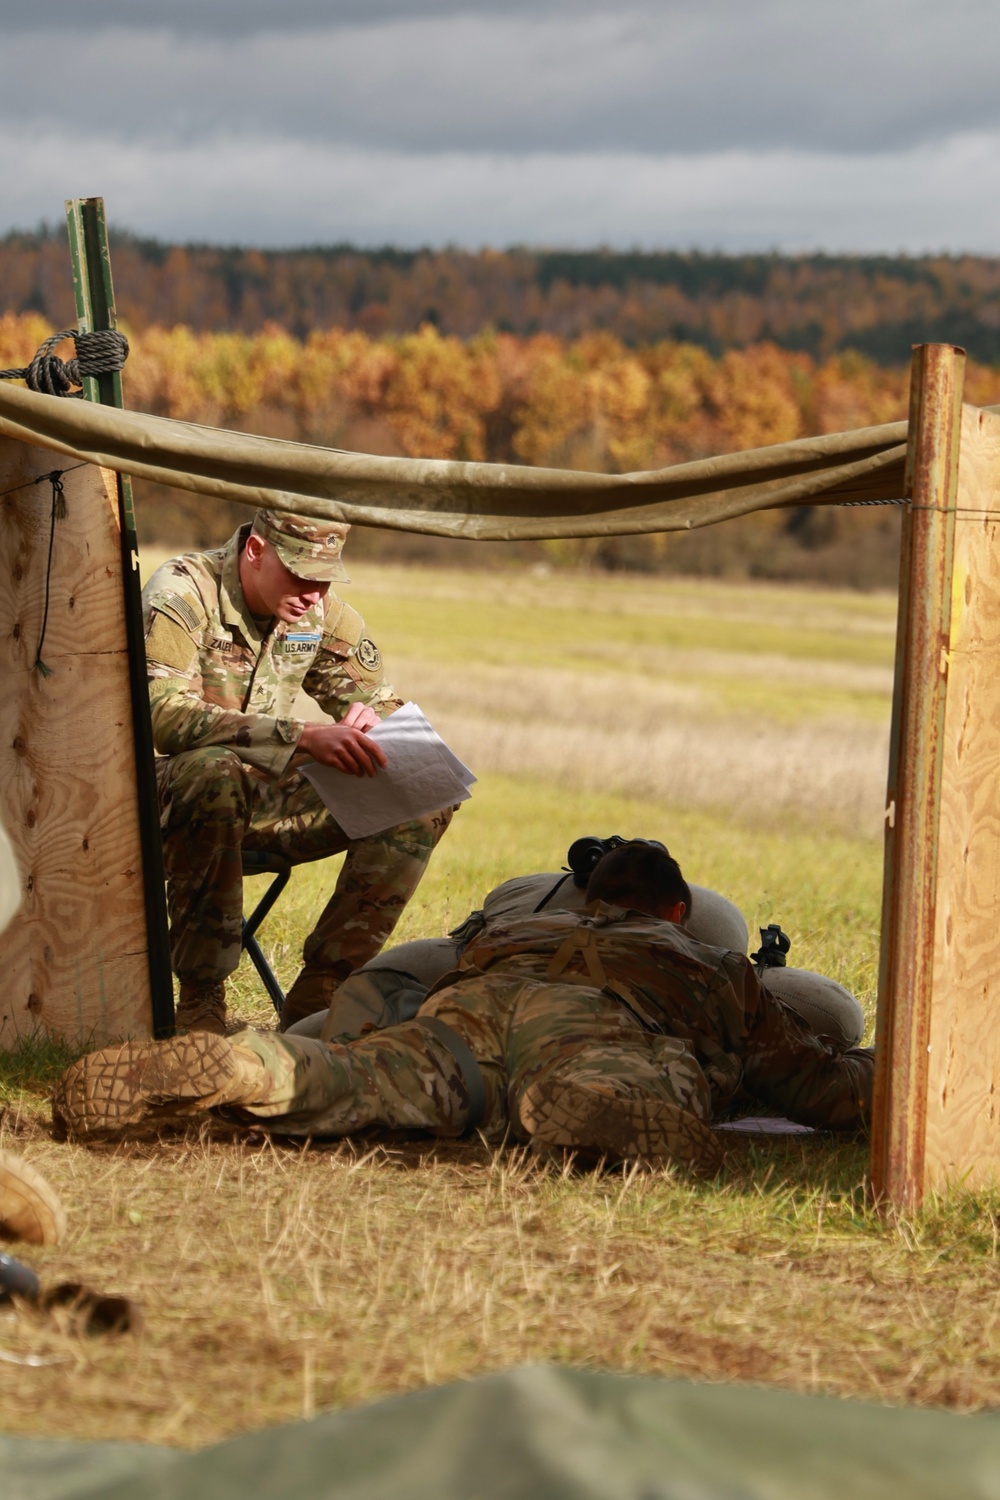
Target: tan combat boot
(312,991)
(153,1084)
(29,1207)
(201,1007)
(559,1115)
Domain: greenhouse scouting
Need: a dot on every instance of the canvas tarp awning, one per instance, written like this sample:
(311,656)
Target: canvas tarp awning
(542,1433)
(484,502)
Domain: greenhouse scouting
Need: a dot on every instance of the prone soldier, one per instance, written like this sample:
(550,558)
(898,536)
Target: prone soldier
(231,636)
(609,1032)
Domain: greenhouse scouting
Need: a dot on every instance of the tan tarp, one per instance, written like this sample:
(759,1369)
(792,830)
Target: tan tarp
(443,498)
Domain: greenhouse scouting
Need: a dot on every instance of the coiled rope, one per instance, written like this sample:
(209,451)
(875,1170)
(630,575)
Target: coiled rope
(99,353)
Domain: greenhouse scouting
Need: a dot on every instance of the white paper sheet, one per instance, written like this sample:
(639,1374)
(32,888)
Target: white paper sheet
(421,775)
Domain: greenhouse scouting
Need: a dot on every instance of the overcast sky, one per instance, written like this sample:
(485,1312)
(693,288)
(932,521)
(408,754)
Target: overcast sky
(867,125)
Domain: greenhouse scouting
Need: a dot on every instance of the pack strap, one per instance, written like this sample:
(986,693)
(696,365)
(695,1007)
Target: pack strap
(468,1068)
(626,997)
(582,940)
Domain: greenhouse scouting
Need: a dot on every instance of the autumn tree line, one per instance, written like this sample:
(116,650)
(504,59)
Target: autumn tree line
(813,304)
(588,402)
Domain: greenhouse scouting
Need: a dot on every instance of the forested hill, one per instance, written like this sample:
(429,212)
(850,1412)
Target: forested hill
(818,304)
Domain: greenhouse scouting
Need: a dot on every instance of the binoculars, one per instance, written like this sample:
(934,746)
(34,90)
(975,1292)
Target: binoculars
(583,854)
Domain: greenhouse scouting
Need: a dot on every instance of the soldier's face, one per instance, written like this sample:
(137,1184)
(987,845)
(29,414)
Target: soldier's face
(270,589)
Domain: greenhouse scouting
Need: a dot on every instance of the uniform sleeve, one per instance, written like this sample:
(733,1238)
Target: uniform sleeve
(348,668)
(182,717)
(786,1066)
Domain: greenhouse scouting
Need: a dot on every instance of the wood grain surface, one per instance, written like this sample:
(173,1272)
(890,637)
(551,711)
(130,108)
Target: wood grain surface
(74,958)
(963,1102)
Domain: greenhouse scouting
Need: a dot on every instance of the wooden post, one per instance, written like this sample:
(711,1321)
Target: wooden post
(95,306)
(935,1117)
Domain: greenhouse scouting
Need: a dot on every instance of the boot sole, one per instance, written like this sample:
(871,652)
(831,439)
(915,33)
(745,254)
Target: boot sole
(29,1207)
(115,1089)
(565,1117)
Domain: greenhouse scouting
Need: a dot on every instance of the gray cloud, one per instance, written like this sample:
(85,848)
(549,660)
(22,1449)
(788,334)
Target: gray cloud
(861,76)
(865,124)
(277,193)
(239,17)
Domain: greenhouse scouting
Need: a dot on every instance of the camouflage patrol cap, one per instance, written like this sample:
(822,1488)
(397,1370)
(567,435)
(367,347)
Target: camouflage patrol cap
(308,548)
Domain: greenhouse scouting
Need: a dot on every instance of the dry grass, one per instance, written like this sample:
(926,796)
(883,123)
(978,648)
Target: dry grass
(760,703)
(663,741)
(277,1281)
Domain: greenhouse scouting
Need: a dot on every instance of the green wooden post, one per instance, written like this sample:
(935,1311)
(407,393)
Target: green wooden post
(95,307)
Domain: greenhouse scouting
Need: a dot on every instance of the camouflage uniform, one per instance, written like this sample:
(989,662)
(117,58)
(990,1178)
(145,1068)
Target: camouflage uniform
(222,686)
(620,1005)
(608,1031)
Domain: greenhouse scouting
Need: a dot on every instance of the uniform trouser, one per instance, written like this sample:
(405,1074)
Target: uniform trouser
(519,1031)
(213,806)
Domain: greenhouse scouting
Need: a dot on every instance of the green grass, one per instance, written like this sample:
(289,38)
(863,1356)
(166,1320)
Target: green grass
(33,1064)
(573,639)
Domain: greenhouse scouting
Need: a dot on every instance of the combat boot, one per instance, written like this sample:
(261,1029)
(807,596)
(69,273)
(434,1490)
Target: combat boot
(29,1208)
(153,1084)
(312,991)
(201,1007)
(559,1115)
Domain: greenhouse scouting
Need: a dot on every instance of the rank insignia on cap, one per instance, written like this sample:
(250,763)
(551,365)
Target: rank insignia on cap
(310,549)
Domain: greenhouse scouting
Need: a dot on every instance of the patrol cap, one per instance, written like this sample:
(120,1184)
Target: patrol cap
(308,548)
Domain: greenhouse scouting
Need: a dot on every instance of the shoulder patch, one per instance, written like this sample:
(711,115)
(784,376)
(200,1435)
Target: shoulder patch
(344,625)
(369,655)
(180,609)
(169,644)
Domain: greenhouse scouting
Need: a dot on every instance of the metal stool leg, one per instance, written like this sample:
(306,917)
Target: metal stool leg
(260,963)
(259,864)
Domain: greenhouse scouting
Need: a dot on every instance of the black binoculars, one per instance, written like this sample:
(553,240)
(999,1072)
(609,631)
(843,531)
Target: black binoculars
(583,854)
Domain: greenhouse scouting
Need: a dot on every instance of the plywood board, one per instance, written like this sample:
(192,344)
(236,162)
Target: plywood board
(75,957)
(962,1143)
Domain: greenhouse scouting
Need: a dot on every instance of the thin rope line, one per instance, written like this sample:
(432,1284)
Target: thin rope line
(52,474)
(871,502)
(58,509)
(58,512)
(960,510)
(941,510)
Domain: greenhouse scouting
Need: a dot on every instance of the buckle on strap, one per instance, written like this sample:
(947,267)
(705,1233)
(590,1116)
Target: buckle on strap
(468,1068)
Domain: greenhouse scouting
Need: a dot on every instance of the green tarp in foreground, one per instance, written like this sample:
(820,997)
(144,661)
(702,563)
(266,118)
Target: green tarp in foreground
(541,1433)
(441,497)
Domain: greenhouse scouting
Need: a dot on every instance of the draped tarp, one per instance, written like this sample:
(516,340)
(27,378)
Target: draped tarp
(485,502)
(549,1434)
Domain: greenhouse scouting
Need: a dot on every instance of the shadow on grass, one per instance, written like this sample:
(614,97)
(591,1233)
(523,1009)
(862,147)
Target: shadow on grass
(837,1164)
(34,1063)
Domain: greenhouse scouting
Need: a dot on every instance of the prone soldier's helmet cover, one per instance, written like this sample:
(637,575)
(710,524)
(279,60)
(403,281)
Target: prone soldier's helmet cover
(308,548)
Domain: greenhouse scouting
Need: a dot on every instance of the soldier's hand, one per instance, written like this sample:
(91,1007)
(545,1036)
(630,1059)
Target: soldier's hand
(345,746)
(360,716)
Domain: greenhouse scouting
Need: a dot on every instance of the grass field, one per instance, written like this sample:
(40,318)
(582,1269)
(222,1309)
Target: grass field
(745,726)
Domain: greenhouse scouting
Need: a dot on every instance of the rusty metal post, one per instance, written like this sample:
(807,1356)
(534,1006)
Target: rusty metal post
(913,798)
